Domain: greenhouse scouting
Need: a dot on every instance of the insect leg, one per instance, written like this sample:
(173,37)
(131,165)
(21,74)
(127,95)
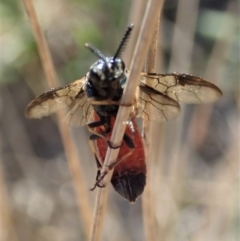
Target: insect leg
(99,166)
(104,122)
(93,101)
(129,142)
(101,176)
(96,123)
(94,136)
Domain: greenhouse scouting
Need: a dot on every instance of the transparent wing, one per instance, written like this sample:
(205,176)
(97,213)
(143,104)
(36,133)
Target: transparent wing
(70,97)
(182,87)
(154,106)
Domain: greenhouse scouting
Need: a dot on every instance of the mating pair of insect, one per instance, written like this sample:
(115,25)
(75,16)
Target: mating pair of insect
(94,101)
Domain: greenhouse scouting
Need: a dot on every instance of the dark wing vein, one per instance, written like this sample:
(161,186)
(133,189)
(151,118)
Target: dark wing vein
(154,106)
(70,97)
(182,87)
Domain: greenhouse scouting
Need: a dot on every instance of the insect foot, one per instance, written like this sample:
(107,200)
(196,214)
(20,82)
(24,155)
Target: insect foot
(99,178)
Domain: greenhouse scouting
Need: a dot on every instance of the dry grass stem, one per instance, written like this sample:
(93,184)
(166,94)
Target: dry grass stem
(43,49)
(180,54)
(180,59)
(98,214)
(147,200)
(216,63)
(214,207)
(153,49)
(30,169)
(213,73)
(143,43)
(135,17)
(220,210)
(70,150)
(192,189)
(7,231)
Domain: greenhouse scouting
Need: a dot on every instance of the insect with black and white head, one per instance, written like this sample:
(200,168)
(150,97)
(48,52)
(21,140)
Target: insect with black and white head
(94,101)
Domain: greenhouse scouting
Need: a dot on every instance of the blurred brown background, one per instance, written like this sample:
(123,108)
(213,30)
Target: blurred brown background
(196,157)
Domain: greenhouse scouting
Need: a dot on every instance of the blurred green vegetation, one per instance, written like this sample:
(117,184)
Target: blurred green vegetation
(68,27)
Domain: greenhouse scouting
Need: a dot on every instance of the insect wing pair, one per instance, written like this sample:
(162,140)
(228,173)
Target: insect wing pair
(162,92)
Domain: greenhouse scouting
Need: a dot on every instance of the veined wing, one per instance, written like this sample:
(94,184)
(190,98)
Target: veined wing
(182,87)
(155,106)
(70,97)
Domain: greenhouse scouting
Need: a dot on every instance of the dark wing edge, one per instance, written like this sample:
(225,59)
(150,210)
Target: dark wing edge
(70,97)
(154,106)
(183,87)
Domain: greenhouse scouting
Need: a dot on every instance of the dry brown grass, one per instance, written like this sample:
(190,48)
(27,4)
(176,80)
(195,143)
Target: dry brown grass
(185,198)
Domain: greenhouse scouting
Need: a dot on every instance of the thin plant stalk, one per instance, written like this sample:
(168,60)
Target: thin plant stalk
(147,198)
(7,230)
(214,72)
(182,54)
(143,43)
(178,54)
(219,211)
(184,29)
(135,17)
(70,150)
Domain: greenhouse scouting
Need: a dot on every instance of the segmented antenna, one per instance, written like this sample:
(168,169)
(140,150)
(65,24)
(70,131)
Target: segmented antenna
(97,52)
(122,45)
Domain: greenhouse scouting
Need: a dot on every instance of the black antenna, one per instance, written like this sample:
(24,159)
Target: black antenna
(123,42)
(97,52)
